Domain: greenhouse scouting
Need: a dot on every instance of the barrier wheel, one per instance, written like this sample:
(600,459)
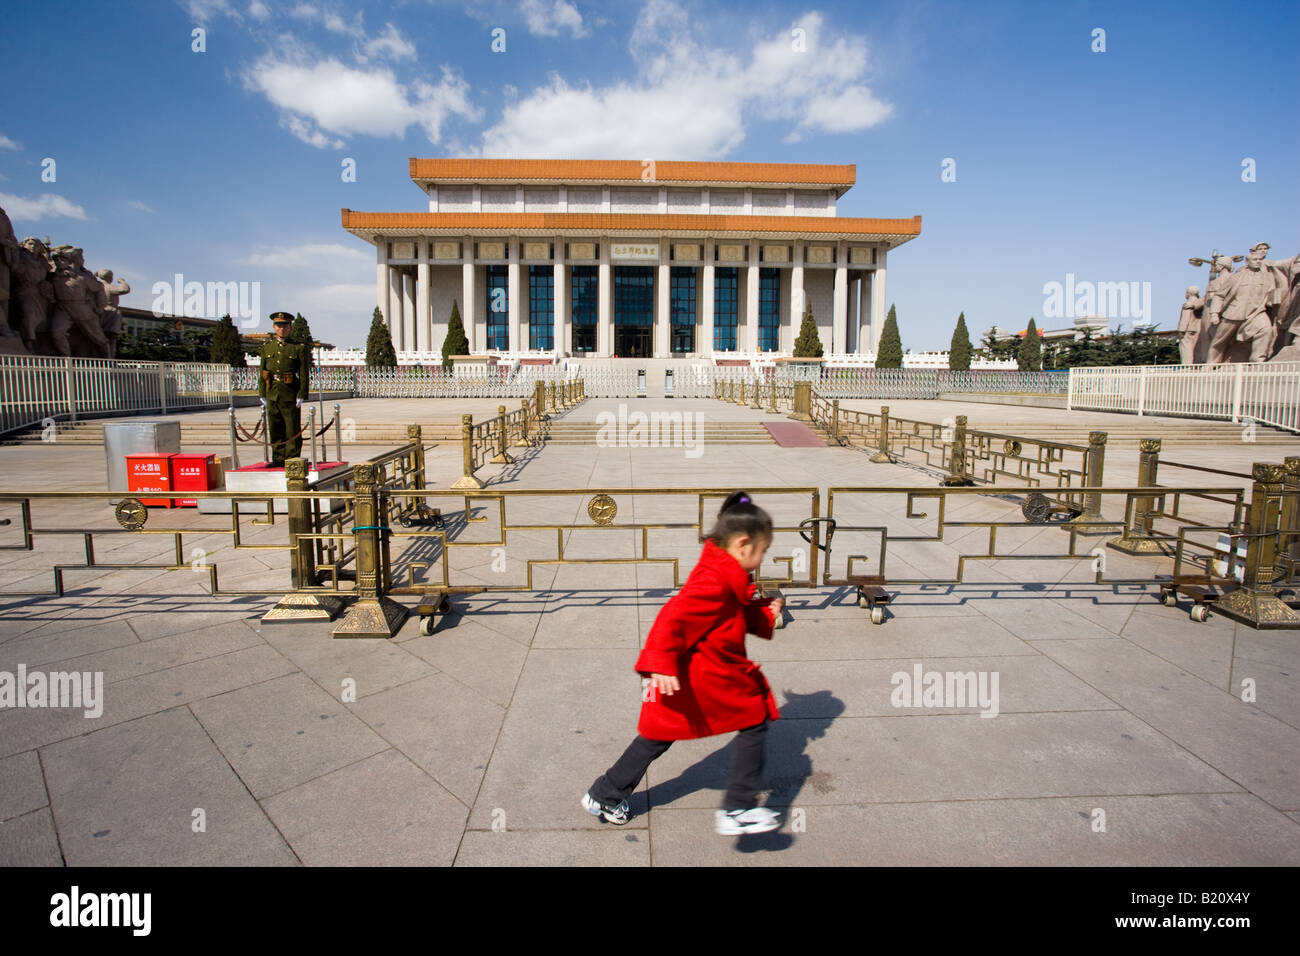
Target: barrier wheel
(877,615)
(1200,613)
(426,625)
(1170,599)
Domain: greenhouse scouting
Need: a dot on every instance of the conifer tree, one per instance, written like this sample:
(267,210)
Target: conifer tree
(301,332)
(455,343)
(1029,357)
(379,344)
(227,347)
(959,350)
(808,344)
(890,354)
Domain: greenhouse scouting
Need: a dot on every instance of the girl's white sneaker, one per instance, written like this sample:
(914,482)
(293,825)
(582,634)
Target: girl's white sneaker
(616,815)
(757,820)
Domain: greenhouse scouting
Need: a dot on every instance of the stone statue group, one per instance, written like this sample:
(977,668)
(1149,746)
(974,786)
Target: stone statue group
(51,303)
(1251,315)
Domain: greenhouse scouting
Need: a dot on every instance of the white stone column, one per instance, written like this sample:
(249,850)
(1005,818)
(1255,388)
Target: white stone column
(747,339)
(864,314)
(839,311)
(381,279)
(395,323)
(423,316)
(855,290)
(604,309)
(878,309)
(468,315)
(408,308)
(663,288)
(512,293)
(562,298)
(705,346)
(797,300)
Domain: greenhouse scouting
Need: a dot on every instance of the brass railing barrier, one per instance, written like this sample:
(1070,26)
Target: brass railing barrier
(1094,468)
(373,614)
(1139,526)
(467,480)
(802,402)
(957,474)
(882,453)
(1255,602)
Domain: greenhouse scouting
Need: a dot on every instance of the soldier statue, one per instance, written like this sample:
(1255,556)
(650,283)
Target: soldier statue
(282,386)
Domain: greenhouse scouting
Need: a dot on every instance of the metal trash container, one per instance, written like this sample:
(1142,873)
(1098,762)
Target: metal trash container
(640,383)
(158,436)
(668,383)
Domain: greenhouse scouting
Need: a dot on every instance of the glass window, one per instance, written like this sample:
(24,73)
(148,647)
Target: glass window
(769,310)
(682,309)
(541,307)
(724,309)
(498,309)
(586,307)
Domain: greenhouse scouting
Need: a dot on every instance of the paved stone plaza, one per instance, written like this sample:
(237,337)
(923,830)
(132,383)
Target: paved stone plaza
(473,745)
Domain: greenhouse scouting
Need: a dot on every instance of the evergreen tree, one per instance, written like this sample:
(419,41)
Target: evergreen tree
(455,343)
(1029,356)
(226,346)
(379,344)
(891,346)
(959,350)
(301,332)
(808,344)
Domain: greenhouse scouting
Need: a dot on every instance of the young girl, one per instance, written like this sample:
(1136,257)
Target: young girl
(697,680)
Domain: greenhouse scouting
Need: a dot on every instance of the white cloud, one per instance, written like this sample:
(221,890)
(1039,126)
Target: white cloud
(47,205)
(548,20)
(329,97)
(305,12)
(309,256)
(204,11)
(137,204)
(258,10)
(7,143)
(390,43)
(692,100)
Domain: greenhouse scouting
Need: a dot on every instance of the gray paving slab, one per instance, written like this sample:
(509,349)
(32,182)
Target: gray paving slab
(22,785)
(573,714)
(473,654)
(1276,689)
(1255,750)
(447,729)
(586,848)
(127,796)
(46,644)
(125,700)
(280,733)
(820,760)
(380,811)
(807,636)
(1202,649)
(30,840)
(1175,830)
(360,667)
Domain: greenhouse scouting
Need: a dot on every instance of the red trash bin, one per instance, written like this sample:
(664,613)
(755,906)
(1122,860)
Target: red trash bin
(193,472)
(150,472)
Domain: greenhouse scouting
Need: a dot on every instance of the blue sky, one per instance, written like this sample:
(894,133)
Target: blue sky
(224,165)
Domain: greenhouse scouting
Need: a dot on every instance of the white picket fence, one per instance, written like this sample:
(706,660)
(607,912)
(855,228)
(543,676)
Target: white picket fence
(34,388)
(1265,392)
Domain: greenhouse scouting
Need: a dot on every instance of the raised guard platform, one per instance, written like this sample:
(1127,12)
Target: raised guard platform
(261,478)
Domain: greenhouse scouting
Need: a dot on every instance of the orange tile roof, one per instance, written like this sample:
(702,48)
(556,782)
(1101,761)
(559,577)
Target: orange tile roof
(630,170)
(551,222)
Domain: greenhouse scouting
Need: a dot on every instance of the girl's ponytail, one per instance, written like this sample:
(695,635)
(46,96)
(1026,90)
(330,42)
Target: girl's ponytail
(740,516)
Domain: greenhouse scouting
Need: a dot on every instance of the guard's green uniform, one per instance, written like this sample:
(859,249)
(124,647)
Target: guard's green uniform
(285,377)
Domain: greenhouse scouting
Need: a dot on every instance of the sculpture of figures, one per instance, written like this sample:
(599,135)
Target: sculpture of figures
(112,318)
(1239,309)
(33,292)
(1287,273)
(1189,325)
(8,259)
(79,299)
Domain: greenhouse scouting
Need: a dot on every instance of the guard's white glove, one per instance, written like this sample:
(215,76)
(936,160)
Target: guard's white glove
(298,403)
(263,401)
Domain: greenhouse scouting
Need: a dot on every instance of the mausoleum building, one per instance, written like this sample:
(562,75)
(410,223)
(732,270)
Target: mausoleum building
(630,259)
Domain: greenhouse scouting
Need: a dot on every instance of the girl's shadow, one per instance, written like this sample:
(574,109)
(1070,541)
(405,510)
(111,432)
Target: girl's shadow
(804,717)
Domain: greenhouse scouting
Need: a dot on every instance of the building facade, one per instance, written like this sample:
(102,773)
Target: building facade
(630,259)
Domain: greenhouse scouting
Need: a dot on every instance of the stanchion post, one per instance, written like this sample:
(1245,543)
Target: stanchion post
(1096,467)
(957,476)
(771,398)
(523,440)
(338,434)
(1288,550)
(1255,602)
(882,452)
(303,605)
(502,456)
(374,614)
(467,480)
(802,402)
(1137,537)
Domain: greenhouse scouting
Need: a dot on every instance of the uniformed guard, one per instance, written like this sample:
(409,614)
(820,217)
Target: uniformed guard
(282,387)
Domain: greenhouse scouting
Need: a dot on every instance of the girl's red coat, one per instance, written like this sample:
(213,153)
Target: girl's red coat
(699,637)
